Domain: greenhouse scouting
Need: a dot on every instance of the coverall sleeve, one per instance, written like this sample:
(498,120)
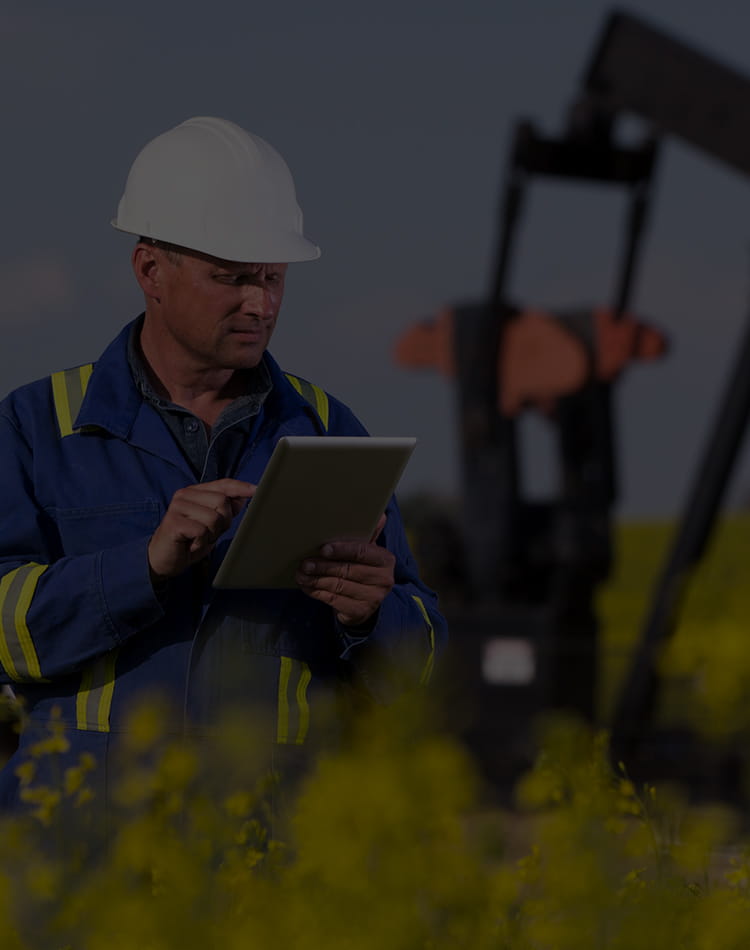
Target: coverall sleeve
(58,612)
(401,649)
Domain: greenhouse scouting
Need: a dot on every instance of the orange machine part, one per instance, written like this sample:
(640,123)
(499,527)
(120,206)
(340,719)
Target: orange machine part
(619,342)
(540,359)
(428,345)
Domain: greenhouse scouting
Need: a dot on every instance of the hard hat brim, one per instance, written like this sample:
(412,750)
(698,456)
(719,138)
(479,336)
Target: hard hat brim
(292,249)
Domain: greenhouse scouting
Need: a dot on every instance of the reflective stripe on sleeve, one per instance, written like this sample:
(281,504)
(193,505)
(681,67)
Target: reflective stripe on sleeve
(94,699)
(313,394)
(68,390)
(298,714)
(17,653)
(427,671)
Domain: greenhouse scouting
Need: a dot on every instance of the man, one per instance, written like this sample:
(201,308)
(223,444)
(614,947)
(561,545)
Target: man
(122,481)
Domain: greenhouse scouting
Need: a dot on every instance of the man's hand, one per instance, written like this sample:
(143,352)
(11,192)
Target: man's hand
(196,517)
(353,577)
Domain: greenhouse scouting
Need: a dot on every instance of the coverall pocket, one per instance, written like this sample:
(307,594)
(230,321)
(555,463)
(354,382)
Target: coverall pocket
(85,530)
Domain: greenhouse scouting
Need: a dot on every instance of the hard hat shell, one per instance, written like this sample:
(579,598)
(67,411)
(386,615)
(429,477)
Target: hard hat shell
(210,186)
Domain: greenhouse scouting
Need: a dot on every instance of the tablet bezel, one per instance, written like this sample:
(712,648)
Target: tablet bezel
(314,489)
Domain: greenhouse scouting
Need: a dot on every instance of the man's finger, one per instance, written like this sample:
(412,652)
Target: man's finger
(349,610)
(366,574)
(231,490)
(229,487)
(378,528)
(213,494)
(207,514)
(360,552)
(196,516)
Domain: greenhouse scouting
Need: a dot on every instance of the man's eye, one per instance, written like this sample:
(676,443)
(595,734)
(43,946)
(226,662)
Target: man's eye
(239,280)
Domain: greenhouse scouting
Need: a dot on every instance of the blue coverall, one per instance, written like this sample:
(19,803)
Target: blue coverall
(87,471)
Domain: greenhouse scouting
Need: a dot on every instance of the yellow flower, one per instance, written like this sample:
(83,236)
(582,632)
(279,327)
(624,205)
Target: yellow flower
(239,804)
(49,746)
(26,772)
(84,796)
(46,800)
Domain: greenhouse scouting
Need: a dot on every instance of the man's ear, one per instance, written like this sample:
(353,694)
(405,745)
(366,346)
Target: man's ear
(147,269)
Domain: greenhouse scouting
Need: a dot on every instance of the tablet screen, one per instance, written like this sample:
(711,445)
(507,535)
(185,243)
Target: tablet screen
(314,489)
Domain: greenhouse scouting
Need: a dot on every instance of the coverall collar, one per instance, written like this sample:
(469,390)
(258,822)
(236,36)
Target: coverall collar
(114,403)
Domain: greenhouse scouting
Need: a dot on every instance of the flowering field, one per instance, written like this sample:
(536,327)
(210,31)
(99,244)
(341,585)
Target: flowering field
(706,668)
(384,846)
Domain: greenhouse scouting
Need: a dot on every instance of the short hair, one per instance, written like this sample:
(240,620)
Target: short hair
(173,251)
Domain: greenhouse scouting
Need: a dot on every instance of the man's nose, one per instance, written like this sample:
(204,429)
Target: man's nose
(257,302)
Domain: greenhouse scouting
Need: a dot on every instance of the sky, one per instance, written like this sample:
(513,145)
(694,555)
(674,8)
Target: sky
(395,118)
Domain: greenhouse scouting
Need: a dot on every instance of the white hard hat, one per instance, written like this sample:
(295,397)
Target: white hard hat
(210,186)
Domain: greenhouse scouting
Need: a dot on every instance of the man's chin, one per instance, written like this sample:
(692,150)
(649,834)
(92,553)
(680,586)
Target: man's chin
(246,356)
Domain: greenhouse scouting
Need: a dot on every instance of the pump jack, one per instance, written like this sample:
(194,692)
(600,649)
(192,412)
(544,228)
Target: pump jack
(525,631)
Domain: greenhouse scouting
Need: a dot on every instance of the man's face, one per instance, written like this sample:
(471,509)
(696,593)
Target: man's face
(220,313)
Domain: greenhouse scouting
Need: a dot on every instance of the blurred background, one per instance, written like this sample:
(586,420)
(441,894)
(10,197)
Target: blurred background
(397,120)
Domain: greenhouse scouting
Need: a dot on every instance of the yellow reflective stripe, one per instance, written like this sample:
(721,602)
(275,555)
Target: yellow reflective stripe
(302,704)
(282,724)
(62,407)
(297,383)
(81,699)
(321,404)
(313,394)
(68,390)
(427,671)
(6,660)
(294,380)
(94,699)
(33,573)
(85,372)
(17,652)
(287,669)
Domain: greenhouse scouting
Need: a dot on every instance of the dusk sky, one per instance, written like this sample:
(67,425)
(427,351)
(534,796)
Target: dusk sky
(395,120)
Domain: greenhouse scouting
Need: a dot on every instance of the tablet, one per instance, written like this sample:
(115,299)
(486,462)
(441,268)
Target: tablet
(314,489)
